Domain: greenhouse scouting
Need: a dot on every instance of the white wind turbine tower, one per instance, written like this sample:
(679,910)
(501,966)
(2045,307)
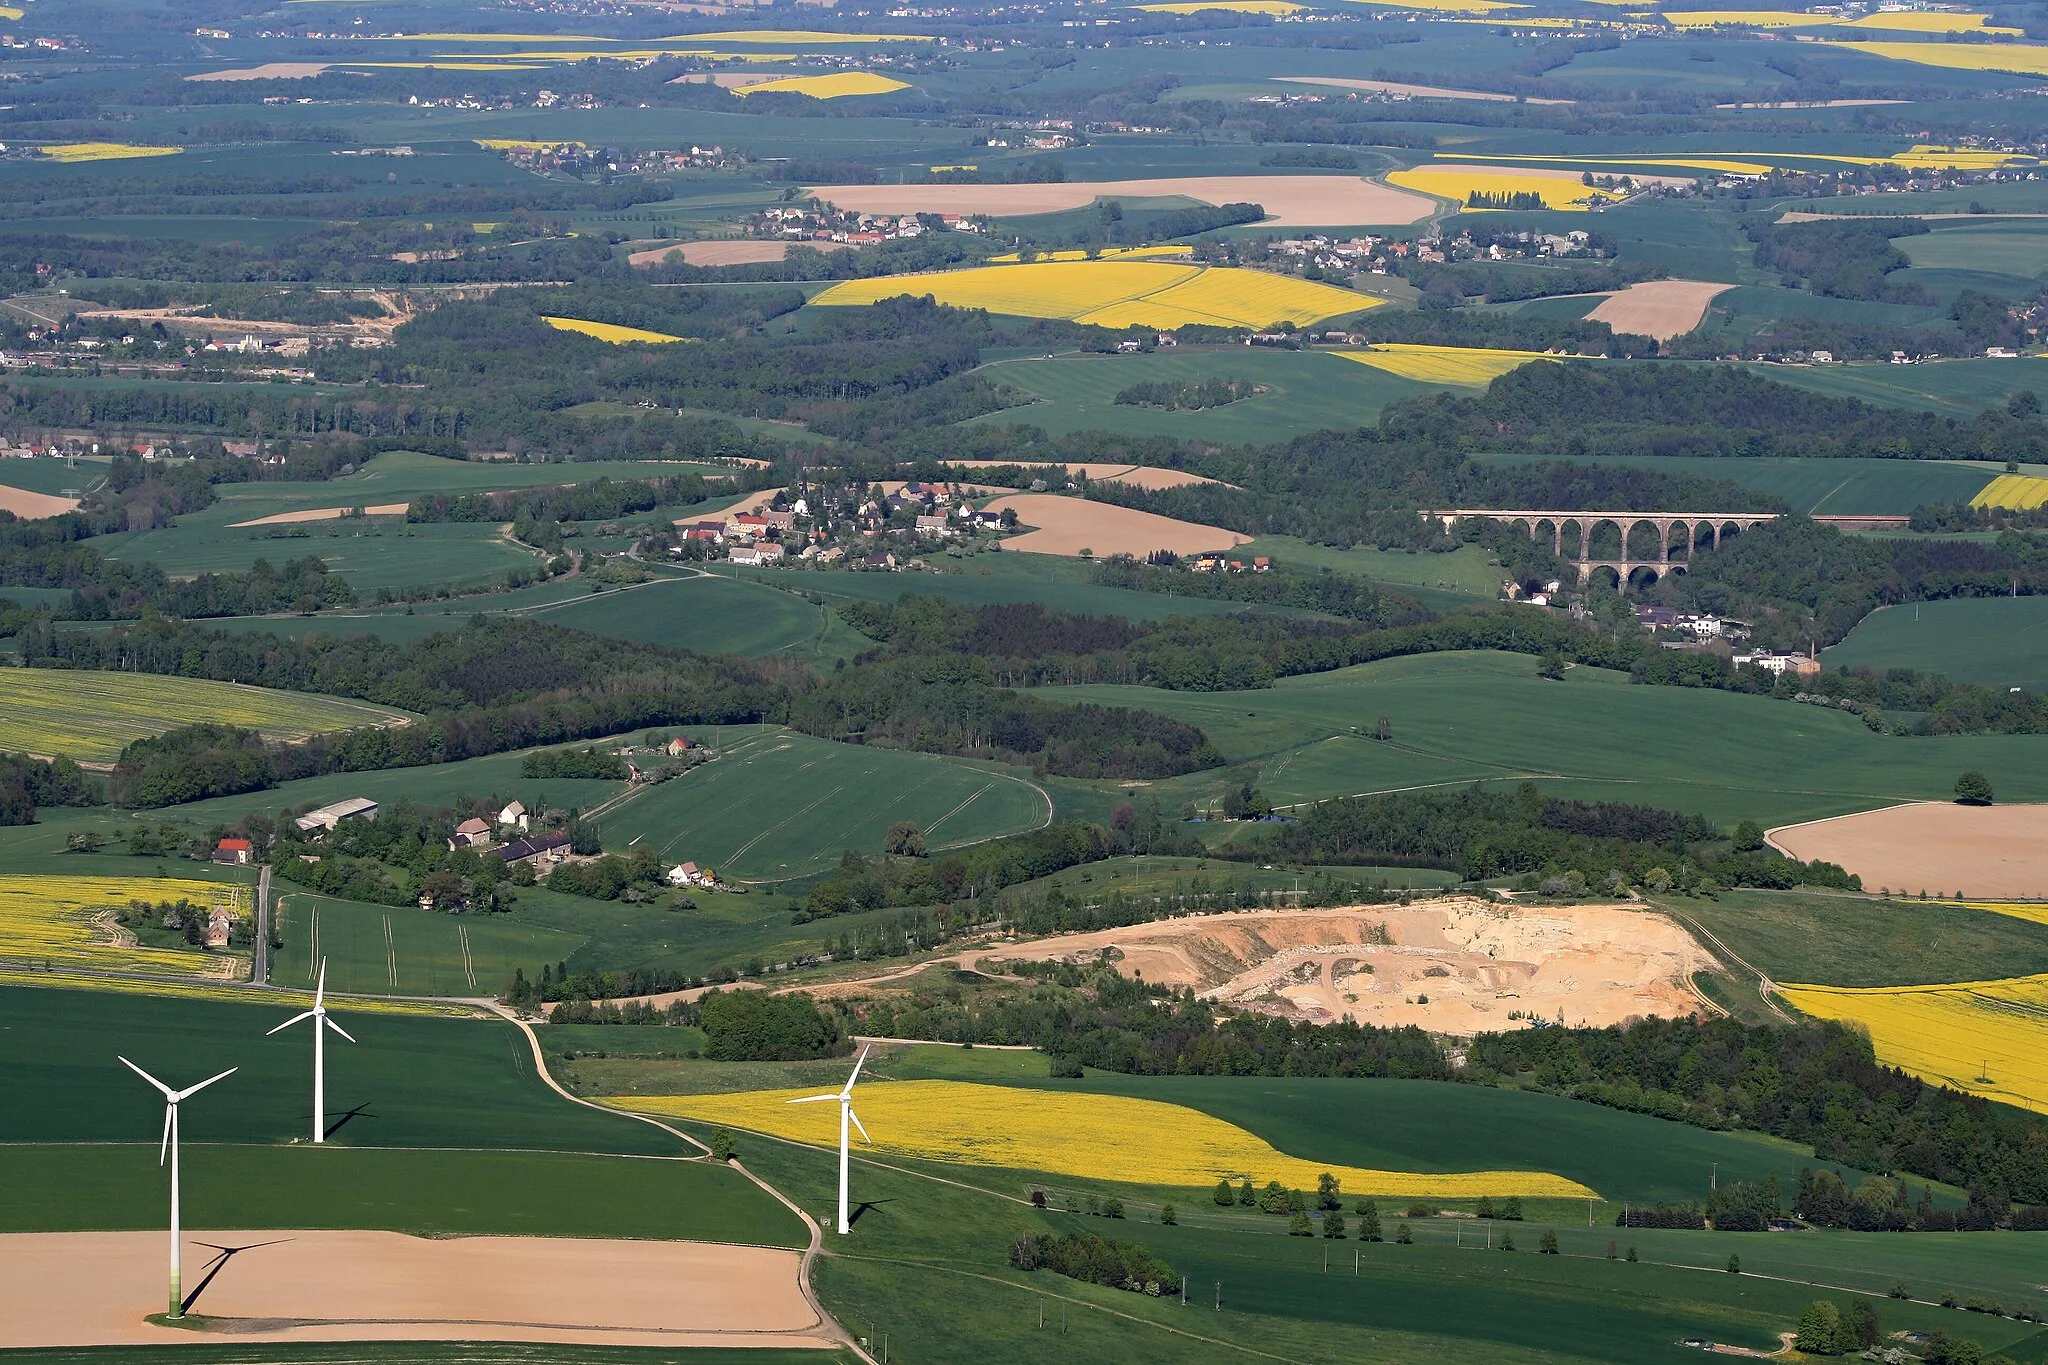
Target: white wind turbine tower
(321,1023)
(169,1150)
(846,1114)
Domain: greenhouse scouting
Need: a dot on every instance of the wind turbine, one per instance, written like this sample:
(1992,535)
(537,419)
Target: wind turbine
(169,1151)
(846,1114)
(321,1023)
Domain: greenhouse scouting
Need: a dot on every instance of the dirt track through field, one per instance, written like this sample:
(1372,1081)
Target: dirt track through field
(1985,852)
(31,506)
(1420,92)
(1658,308)
(1067,526)
(93,1289)
(1289,200)
(736,251)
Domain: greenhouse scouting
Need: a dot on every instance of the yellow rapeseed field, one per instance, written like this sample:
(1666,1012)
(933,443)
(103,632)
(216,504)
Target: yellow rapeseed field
(1089,1137)
(1559,192)
(69,152)
(838,85)
(2025,59)
(187,989)
(1443,364)
(2037,911)
(2017,491)
(1235,6)
(1746,18)
(1989,1038)
(1931,21)
(1118,293)
(1920,156)
(91,716)
(49,920)
(607,331)
(1447,6)
(10,12)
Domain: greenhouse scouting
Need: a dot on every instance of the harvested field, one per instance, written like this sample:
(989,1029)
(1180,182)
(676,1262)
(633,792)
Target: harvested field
(1289,200)
(1420,92)
(30,506)
(1067,526)
(269,71)
(737,251)
(1451,966)
(382,509)
(93,1288)
(1992,852)
(1138,476)
(1658,308)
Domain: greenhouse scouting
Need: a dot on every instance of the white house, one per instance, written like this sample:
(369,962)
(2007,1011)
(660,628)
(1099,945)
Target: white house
(689,874)
(513,817)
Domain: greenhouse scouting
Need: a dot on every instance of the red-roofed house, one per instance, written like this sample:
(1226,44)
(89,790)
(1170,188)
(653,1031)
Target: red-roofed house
(234,851)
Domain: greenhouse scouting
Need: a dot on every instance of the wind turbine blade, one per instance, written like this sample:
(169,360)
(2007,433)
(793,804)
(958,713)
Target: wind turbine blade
(856,1123)
(811,1099)
(163,1150)
(320,989)
(308,1014)
(856,1072)
(189,1091)
(168,1092)
(328,1019)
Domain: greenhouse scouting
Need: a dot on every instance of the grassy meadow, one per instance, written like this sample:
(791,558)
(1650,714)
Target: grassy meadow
(1846,487)
(1487,717)
(1988,640)
(403,950)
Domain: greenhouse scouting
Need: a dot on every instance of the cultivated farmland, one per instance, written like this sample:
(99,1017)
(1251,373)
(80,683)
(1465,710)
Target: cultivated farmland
(777,805)
(1094,1137)
(91,716)
(1558,189)
(1996,641)
(403,950)
(1985,851)
(838,85)
(1077,526)
(1117,294)
(1465,365)
(1657,308)
(1289,200)
(608,331)
(68,922)
(1988,1038)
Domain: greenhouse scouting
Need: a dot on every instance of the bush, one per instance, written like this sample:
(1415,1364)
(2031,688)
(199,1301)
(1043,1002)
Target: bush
(1300,1226)
(1224,1196)
(1973,789)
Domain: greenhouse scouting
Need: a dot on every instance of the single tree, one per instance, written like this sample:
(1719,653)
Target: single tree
(1973,789)
(1511,1208)
(1820,1329)
(1333,1224)
(1168,1217)
(1368,1221)
(905,840)
(1245,1197)
(1551,665)
(1547,1245)
(1734,1265)
(1402,1235)
(1507,1239)
(1328,1192)
(1224,1196)
(1749,837)
(1631,1255)
(1300,1226)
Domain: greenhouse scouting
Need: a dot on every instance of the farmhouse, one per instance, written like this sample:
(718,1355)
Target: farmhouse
(689,874)
(765,553)
(676,747)
(234,852)
(533,847)
(471,833)
(512,817)
(327,817)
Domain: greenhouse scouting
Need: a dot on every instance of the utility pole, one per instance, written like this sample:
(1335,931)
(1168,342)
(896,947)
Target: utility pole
(1219,1296)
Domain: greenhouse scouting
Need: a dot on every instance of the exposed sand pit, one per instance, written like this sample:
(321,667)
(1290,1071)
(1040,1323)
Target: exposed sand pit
(1289,200)
(93,1288)
(1067,526)
(734,251)
(30,506)
(269,71)
(1987,852)
(1451,966)
(1138,476)
(382,509)
(1658,308)
(1420,92)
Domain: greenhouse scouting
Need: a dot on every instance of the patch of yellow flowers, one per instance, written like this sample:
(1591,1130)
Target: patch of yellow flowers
(1988,1038)
(1091,1137)
(607,331)
(2017,491)
(49,920)
(1472,365)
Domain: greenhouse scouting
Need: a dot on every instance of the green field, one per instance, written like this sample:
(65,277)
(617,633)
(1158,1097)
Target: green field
(2013,247)
(778,805)
(91,716)
(705,613)
(1958,388)
(1463,574)
(1848,487)
(1466,717)
(1988,640)
(53,476)
(405,1082)
(436,784)
(1308,391)
(379,553)
(402,950)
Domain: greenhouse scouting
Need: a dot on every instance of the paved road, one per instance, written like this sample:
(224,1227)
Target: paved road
(261,974)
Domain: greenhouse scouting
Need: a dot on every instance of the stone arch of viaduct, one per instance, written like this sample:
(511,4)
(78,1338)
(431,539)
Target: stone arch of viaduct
(1691,529)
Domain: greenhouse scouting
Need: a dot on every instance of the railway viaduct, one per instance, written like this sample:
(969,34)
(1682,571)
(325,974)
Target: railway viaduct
(1679,532)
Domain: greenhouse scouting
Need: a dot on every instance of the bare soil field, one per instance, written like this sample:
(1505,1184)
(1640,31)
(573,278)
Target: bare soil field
(1658,308)
(1289,200)
(736,251)
(1138,476)
(382,509)
(1067,526)
(269,71)
(1988,852)
(29,506)
(94,1288)
(1420,92)
(1457,966)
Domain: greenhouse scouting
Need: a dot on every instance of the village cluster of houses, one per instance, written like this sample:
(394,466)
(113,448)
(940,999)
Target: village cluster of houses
(1216,561)
(813,526)
(813,221)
